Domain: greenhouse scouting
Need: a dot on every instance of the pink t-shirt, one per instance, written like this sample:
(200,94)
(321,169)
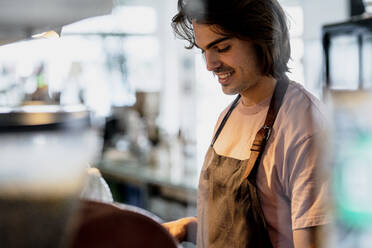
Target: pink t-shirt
(293,195)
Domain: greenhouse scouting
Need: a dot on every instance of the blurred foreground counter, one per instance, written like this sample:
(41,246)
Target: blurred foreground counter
(108,225)
(169,191)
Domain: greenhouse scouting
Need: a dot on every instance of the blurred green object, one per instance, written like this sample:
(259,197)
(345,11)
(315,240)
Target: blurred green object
(352,181)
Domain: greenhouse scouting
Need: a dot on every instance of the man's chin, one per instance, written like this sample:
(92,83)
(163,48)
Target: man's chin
(230,91)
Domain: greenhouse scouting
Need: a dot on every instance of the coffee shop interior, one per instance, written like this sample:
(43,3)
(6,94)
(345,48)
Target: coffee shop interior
(152,107)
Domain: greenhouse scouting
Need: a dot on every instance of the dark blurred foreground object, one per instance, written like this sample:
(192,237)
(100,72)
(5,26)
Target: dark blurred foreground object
(356,7)
(105,225)
(350,39)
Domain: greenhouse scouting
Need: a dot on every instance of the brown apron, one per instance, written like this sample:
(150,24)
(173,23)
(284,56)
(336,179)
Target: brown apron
(229,210)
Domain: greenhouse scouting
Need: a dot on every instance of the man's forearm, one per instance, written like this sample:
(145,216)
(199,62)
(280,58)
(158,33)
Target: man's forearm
(309,237)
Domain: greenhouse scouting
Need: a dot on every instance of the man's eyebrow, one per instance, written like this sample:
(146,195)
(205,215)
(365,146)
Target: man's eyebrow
(211,44)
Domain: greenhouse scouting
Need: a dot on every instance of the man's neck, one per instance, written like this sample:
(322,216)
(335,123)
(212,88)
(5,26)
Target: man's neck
(258,92)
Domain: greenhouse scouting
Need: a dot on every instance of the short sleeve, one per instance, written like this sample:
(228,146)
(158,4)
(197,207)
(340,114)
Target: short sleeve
(307,187)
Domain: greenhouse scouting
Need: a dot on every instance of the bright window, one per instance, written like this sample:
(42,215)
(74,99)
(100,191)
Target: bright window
(296,29)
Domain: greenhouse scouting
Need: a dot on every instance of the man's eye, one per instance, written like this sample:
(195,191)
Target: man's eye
(225,49)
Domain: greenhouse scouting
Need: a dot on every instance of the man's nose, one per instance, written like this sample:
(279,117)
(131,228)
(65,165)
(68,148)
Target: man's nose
(212,61)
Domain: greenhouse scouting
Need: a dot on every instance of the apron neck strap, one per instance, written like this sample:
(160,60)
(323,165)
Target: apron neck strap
(263,134)
(233,105)
(275,103)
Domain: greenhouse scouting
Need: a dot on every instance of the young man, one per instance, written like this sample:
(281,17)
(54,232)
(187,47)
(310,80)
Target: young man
(259,185)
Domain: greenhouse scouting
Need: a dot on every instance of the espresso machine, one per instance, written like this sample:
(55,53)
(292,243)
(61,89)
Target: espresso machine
(43,161)
(45,149)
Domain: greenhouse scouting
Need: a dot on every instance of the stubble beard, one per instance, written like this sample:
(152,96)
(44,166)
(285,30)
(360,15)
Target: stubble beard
(236,90)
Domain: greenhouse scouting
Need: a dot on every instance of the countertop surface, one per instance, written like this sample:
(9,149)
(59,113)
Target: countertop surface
(177,177)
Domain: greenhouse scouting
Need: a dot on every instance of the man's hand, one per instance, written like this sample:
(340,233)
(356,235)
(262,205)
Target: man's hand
(182,229)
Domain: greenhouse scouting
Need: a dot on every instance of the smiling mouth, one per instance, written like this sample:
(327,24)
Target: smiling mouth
(223,77)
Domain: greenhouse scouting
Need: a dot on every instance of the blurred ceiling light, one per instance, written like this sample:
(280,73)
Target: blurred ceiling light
(46,35)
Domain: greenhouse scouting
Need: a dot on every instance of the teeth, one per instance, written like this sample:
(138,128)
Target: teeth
(225,75)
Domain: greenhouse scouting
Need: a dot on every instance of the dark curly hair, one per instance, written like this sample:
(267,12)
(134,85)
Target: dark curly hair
(263,22)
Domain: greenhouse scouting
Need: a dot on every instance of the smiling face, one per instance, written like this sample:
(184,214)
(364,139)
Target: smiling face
(232,60)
